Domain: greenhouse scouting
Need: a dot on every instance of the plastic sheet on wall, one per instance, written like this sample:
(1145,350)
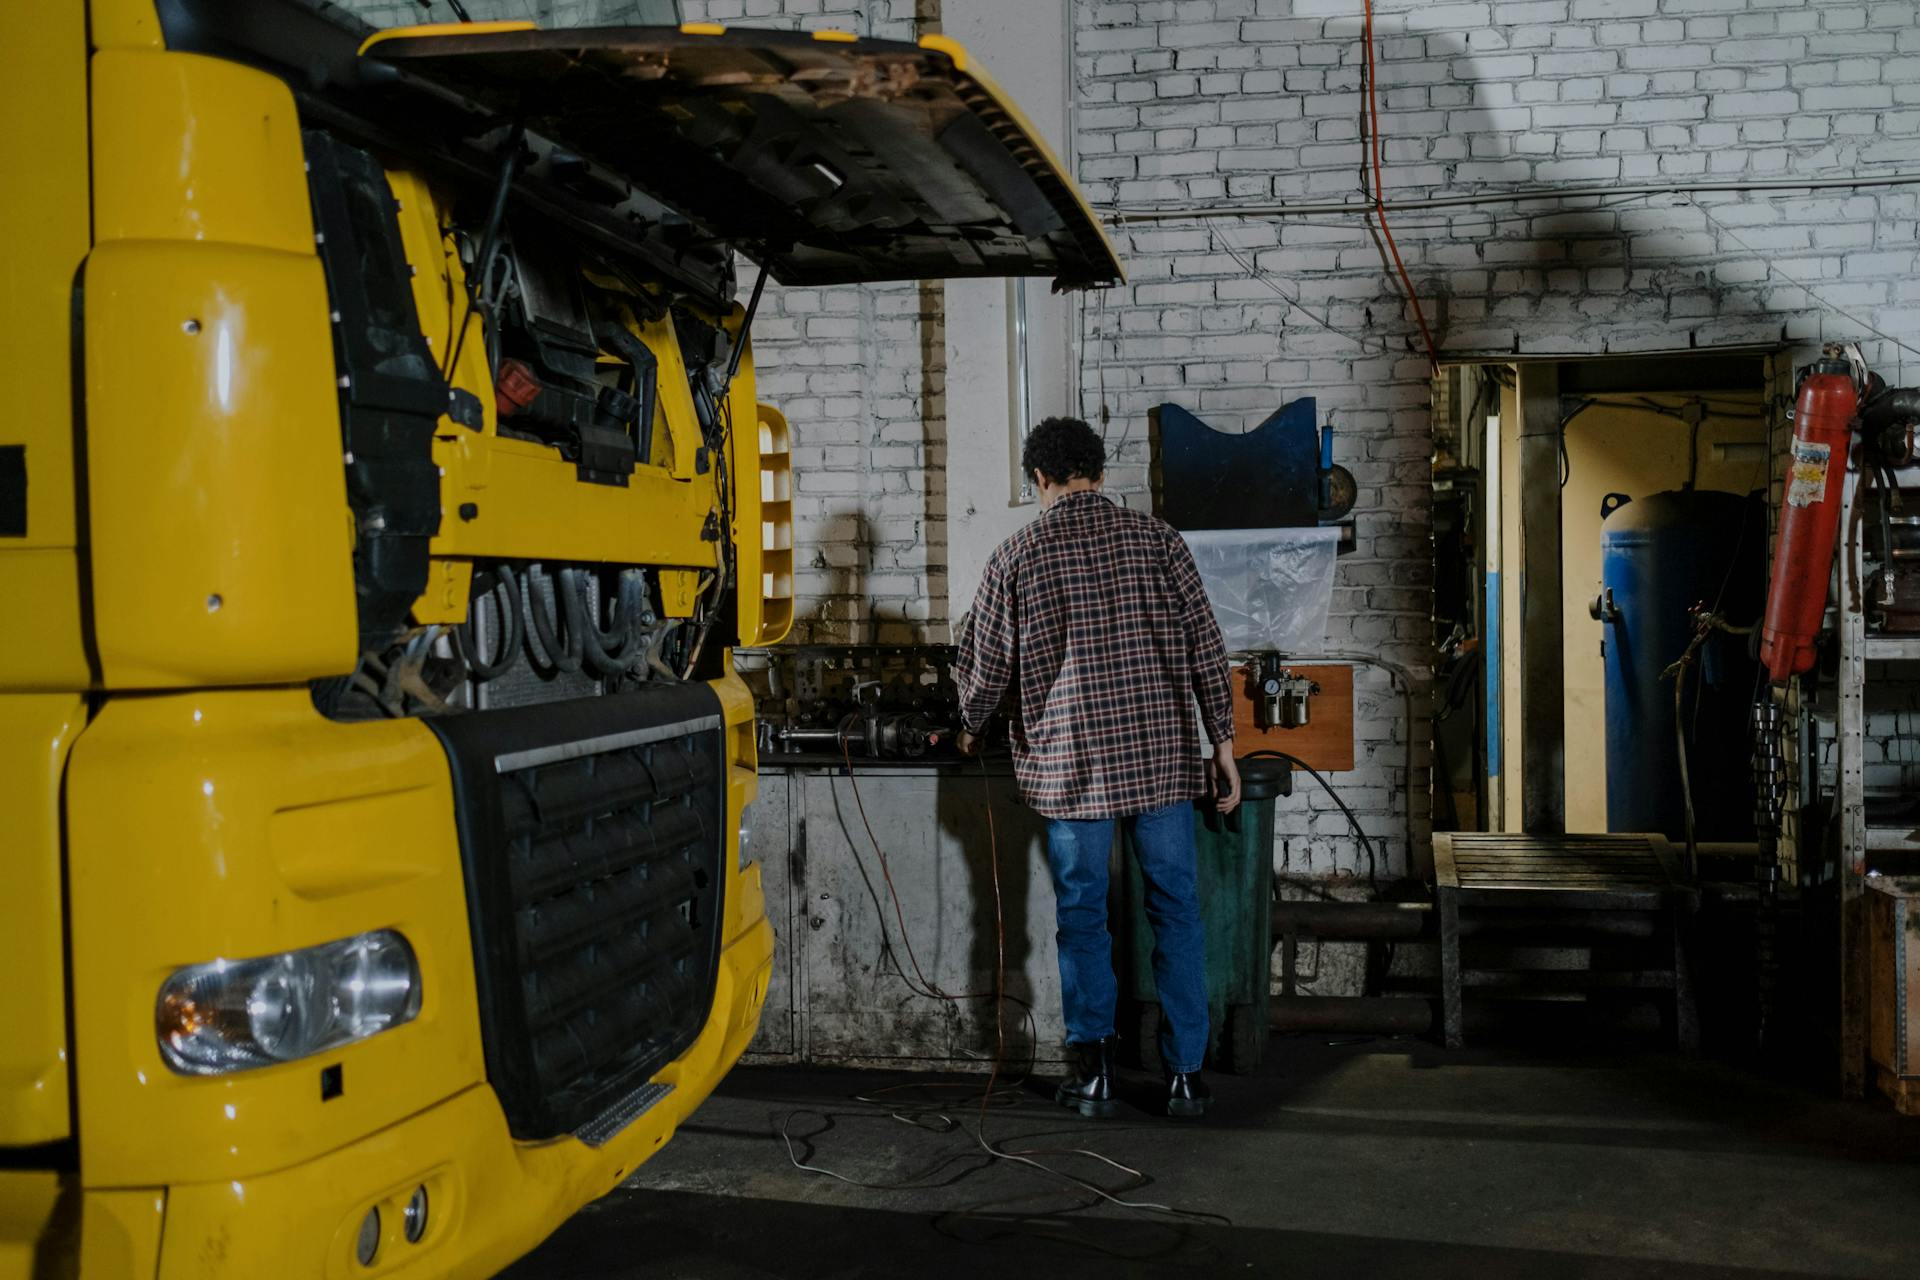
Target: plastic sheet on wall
(1270,588)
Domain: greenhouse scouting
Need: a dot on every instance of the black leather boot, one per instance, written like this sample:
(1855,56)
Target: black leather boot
(1090,1090)
(1187,1095)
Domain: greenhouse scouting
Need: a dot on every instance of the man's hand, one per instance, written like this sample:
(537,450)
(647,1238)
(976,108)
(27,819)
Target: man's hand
(1225,772)
(968,744)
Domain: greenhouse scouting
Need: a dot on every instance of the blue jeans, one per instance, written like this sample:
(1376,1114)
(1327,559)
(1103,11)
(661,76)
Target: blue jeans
(1162,839)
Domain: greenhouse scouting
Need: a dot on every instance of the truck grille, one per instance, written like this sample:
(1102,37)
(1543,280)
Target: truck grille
(593,834)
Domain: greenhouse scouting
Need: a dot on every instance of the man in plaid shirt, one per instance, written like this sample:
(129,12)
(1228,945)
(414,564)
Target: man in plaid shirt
(1094,619)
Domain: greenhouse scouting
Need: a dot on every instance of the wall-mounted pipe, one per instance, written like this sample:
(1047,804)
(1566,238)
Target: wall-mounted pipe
(1352,921)
(1353,1015)
(1022,384)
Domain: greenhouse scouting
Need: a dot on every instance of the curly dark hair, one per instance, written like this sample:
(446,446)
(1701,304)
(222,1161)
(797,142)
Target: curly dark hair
(1063,449)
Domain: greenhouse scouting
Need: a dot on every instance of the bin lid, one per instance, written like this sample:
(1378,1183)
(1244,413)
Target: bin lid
(1265,778)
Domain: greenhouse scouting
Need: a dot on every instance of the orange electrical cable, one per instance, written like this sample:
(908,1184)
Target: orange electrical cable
(1379,195)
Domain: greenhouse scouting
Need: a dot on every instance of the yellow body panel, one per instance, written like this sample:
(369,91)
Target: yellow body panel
(221,536)
(222,548)
(51,1230)
(743,470)
(521,488)
(448,29)
(260,826)
(499,494)
(43,224)
(120,1232)
(30,1201)
(774,545)
(123,24)
(36,732)
(236,824)
(193,148)
(490,1199)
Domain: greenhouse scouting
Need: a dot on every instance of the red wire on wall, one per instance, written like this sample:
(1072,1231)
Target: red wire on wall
(1379,196)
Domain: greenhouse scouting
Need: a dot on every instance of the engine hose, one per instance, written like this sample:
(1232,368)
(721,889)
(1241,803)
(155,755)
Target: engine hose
(605,659)
(656,648)
(564,659)
(636,610)
(507,604)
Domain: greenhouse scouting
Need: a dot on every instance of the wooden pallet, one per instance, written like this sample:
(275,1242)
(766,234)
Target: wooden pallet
(1493,877)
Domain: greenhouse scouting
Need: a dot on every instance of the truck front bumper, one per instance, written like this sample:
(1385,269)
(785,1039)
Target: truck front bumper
(489,1199)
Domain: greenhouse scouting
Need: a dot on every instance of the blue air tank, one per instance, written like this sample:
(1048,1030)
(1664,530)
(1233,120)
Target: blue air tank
(1660,556)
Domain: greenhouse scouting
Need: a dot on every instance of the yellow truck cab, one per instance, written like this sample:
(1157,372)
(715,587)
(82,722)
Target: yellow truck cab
(383,490)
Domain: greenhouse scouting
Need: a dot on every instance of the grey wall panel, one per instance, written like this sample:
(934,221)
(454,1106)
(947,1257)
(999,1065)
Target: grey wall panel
(855,997)
(772,844)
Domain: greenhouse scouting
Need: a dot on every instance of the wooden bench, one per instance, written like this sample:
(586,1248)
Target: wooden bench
(1565,891)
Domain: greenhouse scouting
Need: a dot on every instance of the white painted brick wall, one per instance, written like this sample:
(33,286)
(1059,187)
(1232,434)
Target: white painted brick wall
(1209,102)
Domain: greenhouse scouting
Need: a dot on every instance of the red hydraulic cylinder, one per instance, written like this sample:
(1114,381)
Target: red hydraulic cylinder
(1810,519)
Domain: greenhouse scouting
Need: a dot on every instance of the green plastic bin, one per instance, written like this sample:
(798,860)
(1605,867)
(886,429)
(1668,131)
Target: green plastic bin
(1236,911)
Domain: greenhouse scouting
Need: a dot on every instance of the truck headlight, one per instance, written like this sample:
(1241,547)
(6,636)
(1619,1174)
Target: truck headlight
(234,1015)
(746,832)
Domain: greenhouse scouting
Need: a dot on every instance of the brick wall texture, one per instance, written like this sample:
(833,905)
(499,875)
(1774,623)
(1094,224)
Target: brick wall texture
(1202,104)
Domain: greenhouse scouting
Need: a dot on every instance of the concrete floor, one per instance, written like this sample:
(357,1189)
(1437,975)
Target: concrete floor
(1339,1159)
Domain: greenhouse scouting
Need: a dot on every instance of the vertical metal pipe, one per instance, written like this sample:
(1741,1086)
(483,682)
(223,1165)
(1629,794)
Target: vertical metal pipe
(1022,382)
(1494,803)
(1543,785)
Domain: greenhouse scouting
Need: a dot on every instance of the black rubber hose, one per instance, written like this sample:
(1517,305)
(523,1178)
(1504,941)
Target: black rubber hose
(1373,868)
(1895,406)
(607,659)
(513,624)
(636,609)
(620,340)
(567,658)
(656,649)
(489,242)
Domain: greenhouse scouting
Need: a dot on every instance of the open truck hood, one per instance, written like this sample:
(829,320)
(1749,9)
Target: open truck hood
(831,159)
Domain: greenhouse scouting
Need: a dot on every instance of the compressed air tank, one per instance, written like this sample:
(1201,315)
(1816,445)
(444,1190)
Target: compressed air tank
(1659,557)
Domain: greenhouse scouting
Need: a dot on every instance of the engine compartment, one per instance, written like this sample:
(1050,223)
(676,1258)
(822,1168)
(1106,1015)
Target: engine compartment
(564,357)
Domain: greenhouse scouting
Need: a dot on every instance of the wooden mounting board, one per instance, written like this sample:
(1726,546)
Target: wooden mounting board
(1325,741)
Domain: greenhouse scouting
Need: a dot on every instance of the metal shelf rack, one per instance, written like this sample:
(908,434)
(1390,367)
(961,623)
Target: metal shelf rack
(1862,846)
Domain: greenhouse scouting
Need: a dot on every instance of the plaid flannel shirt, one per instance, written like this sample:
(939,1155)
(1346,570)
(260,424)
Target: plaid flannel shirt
(1094,616)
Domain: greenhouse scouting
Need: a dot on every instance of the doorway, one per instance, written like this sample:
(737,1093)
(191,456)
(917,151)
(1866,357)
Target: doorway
(1590,437)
